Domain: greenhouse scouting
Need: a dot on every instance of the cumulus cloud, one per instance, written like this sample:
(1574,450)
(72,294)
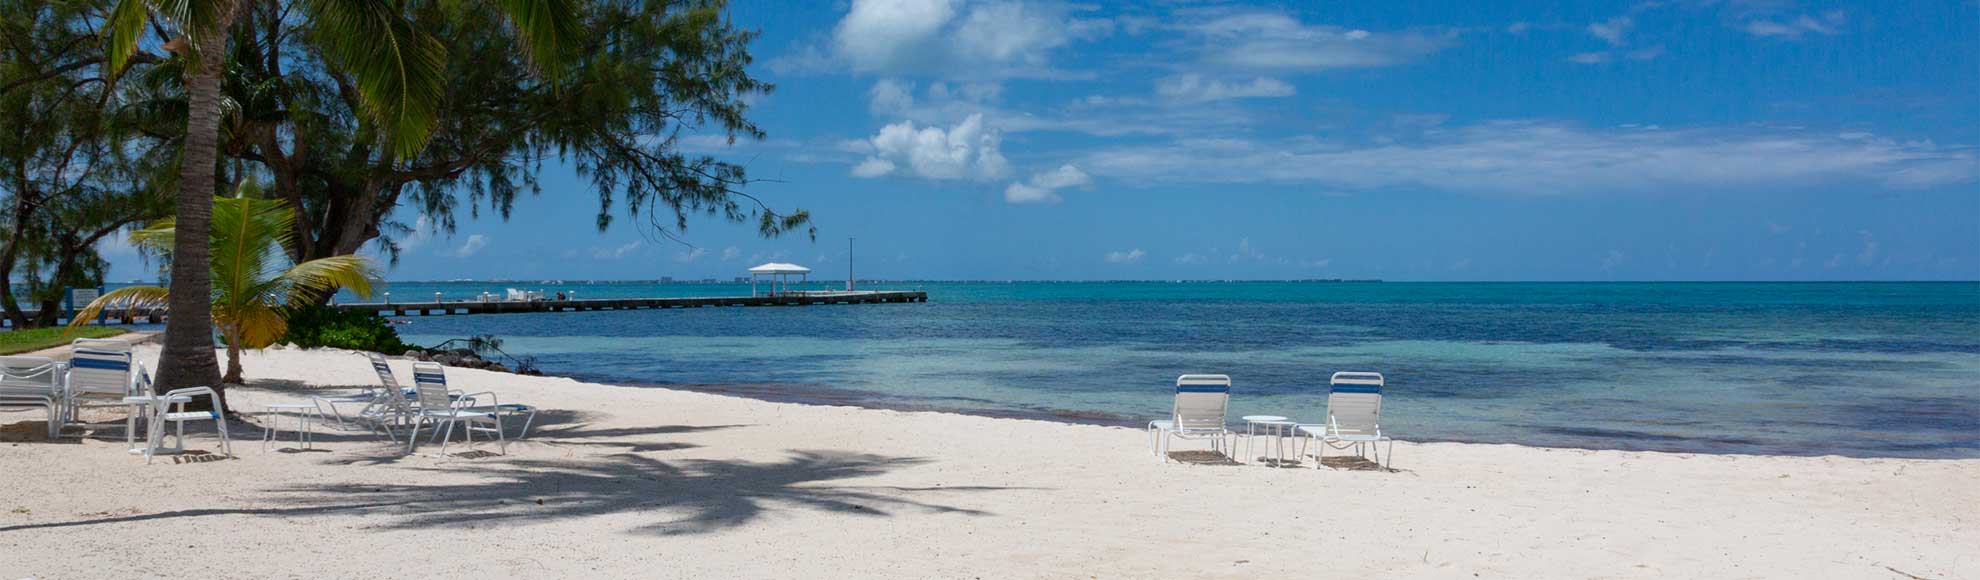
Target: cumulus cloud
(1127,257)
(1195,88)
(1044,186)
(890,96)
(617,252)
(690,255)
(1268,40)
(1829,24)
(473,244)
(1192,258)
(956,37)
(1541,158)
(1613,31)
(422,229)
(731,253)
(968,150)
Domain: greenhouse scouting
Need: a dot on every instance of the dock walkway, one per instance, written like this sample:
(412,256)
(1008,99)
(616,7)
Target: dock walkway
(450,307)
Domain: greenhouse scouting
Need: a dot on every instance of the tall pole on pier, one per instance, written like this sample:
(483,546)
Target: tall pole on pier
(849,263)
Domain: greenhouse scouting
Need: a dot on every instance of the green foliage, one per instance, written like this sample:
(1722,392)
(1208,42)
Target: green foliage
(33,339)
(323,326)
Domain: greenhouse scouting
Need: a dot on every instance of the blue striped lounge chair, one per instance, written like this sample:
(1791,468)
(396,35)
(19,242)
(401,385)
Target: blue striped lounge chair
(1354,418)
(1201,404)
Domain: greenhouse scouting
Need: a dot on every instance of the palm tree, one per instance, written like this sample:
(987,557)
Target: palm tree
(253,283)
(396,69)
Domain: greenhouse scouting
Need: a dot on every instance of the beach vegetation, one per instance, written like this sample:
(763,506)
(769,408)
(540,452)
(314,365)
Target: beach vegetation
(253,283)
(327,327)
(73,171)
(32,339)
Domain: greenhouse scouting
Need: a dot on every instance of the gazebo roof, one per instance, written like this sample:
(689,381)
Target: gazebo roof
(780,268)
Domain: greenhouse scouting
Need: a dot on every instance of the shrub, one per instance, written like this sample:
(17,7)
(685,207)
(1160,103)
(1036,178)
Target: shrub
(323,326)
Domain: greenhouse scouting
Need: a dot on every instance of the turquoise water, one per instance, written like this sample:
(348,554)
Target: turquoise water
(1861,369)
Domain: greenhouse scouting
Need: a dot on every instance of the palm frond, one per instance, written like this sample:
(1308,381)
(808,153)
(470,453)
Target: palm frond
(121,30)
(399,69)
(548,29)
(328,274)
(257,325)
(126,297)
(157,236)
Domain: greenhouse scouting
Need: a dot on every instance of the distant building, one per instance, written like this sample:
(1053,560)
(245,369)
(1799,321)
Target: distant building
(666,279)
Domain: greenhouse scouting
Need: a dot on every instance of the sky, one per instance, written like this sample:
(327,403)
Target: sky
(1020,139)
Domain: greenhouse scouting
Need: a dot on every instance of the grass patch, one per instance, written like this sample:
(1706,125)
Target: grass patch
(32,339)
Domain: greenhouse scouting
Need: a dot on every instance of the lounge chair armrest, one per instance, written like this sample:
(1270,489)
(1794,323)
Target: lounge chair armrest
(471,400)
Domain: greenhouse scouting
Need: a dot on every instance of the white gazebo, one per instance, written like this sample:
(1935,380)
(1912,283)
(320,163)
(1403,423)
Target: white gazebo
(780,275)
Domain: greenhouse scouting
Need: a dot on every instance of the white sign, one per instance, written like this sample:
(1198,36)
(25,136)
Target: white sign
(80,297)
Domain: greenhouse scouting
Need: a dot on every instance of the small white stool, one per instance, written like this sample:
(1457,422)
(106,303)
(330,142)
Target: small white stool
(304,412)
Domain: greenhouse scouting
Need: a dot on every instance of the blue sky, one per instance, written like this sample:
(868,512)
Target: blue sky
(995,139)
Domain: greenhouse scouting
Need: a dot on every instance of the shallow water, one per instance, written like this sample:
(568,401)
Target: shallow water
(1861,369)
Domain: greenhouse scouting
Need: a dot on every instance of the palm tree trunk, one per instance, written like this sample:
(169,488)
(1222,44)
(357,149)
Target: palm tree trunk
(187,359)
(233,360)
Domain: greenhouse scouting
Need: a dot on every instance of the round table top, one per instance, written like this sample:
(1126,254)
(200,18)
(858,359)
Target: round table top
(1264,418)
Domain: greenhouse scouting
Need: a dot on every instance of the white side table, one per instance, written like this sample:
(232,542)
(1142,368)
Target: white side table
(150,406)
(304,413)
(1273,426)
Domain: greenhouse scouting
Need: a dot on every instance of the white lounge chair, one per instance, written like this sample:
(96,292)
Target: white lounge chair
(1202,401)
(1354,418)
(443,411)
(98,377)
(432,372)
(385,406)
(33,382)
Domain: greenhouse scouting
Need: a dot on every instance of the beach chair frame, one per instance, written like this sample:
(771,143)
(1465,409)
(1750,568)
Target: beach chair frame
(1354,419)
(1201,406)
(31,382)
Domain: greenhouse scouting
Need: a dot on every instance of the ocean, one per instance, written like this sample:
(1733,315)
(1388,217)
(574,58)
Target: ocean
(1855,369)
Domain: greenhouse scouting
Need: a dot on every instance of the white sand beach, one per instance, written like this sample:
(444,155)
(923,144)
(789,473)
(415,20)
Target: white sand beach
(640,482)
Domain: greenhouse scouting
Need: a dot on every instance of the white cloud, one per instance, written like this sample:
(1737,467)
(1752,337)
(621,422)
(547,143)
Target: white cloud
(967,151)
(422,229)
(473,244)
(1590,58)
(1018,192)
(873,167)
(1194,88)
(1540,158)
(1127,257)
(618,252)
(1869,252)
(731,253)
(1266,40)
(1830,24)
(1044,186)
(690,255)
(1647,53)
(954,38)
(1613,31)
(1065,176)
(1192,258)
(1247,253)
(889,96)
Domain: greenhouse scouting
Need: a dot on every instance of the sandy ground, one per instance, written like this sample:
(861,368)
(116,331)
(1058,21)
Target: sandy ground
(624,482)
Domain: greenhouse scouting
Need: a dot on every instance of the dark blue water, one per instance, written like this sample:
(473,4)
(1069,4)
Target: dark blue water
(1861,369)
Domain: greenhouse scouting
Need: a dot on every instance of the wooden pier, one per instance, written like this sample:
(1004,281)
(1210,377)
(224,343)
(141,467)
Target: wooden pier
(430,308)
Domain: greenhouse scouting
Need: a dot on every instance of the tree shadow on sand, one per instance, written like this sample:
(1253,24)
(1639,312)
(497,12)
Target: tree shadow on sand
(696,496)
(685,497)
